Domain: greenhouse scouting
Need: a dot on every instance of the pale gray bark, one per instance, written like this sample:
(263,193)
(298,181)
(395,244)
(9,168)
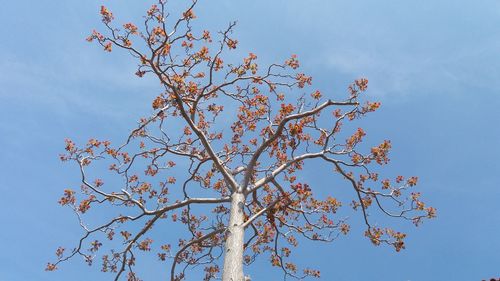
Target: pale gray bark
(233,250)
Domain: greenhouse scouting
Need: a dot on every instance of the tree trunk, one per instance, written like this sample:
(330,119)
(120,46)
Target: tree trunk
(233,250)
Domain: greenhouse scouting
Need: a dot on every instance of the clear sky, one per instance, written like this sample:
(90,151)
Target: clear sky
(434,65)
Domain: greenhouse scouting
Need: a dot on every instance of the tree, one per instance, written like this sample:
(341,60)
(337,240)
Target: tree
(222,154)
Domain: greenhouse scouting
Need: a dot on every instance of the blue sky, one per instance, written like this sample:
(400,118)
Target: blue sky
(434,65)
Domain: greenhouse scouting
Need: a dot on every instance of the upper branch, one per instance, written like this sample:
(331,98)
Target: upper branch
(279,131)
(206,144)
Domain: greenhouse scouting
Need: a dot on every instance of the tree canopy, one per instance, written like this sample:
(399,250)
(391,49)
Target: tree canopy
(221,153)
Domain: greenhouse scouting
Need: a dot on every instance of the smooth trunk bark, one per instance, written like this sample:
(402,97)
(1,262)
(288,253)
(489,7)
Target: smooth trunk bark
(233,250)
